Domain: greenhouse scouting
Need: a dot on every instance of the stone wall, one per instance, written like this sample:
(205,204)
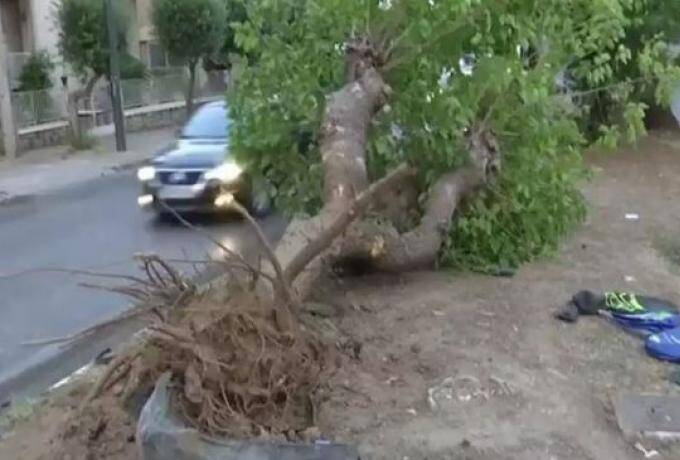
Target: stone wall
(41,136)
(154,117)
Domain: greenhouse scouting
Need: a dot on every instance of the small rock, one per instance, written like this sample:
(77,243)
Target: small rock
(319,309)
(415,348)
(465,443)
(311,434)
(98,430)
(104,357)
(391,380)
(118,389)
(411,411)
(648,453)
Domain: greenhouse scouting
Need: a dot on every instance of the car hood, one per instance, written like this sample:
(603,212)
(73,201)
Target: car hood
(193,153)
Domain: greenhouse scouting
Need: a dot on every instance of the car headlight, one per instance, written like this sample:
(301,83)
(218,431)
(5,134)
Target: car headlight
(225,172)
(146,173)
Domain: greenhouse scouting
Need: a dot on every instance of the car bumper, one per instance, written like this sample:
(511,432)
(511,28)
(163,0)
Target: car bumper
(199,197)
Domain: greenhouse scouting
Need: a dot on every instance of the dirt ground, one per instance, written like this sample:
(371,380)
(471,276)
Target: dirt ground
(525,386)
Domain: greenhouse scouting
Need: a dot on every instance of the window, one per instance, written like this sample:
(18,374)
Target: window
(157,56)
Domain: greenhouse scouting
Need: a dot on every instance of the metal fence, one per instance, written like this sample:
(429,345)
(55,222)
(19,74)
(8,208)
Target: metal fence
(152,91)
(37,107)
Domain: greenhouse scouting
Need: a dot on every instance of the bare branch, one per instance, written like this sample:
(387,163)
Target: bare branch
(228,251)
(355,209)
(283,284)
(70,271)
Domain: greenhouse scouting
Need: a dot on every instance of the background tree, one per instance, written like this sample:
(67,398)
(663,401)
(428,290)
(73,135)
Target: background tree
(223,58)
(611,77)
(83,43)
(190,30)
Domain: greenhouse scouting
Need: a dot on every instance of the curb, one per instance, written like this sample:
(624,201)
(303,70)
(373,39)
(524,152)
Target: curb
(78,356)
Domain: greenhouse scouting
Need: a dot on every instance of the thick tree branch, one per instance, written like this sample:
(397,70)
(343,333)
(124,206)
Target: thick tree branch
(347,118)
(343,132)
(388,250)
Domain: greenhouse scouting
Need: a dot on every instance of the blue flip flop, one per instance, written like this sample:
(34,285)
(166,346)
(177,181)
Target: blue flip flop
(664,345)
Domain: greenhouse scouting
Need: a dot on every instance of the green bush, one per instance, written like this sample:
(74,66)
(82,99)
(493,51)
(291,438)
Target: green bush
(35,75)
(84,141)
(132,68)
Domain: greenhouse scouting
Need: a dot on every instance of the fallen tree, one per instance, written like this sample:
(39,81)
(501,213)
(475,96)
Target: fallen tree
(497,137)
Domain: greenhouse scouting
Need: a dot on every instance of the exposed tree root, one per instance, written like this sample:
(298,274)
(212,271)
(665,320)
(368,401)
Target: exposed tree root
(242,376)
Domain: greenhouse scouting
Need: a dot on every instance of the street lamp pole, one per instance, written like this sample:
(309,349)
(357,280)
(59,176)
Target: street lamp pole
(114,78)
(9,140)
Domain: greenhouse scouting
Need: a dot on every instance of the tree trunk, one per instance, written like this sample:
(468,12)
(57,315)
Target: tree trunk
(310,246)
(190,90)
(344,129)
(73,99)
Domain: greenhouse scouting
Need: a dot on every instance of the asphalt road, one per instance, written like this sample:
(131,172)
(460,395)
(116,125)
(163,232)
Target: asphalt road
(95,226)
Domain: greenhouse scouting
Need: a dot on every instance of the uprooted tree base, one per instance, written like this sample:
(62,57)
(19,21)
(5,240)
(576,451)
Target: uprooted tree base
(241,376)
(247,365)
(237,373)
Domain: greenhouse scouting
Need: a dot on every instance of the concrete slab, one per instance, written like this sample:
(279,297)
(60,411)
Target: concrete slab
(648,415)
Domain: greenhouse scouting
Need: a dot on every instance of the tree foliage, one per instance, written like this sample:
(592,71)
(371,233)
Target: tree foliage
(35,74)
(83,35)
(132,68)
(189,30)
(519,51)
(222,58)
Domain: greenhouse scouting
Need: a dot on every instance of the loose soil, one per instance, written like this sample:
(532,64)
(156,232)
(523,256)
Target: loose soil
(525,386)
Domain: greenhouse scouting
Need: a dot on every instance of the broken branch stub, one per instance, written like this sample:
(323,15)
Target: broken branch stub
(342,220)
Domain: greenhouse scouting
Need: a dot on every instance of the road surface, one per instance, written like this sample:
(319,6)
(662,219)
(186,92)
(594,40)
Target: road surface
(94,225)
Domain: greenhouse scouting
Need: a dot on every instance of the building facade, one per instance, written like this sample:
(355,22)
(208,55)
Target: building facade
(28,26)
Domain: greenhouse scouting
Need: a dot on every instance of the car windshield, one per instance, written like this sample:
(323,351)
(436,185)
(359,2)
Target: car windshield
(209,122)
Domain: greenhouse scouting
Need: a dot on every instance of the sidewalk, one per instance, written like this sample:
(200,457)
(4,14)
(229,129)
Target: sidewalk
(41,171)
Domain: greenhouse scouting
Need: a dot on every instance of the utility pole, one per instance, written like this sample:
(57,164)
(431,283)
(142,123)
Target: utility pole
(114,78)
(6,117)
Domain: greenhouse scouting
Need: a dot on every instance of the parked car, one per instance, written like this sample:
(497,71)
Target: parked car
(196,173)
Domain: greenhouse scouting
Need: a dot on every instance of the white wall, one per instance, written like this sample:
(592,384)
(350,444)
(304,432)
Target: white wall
(45,34)
(46,37)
